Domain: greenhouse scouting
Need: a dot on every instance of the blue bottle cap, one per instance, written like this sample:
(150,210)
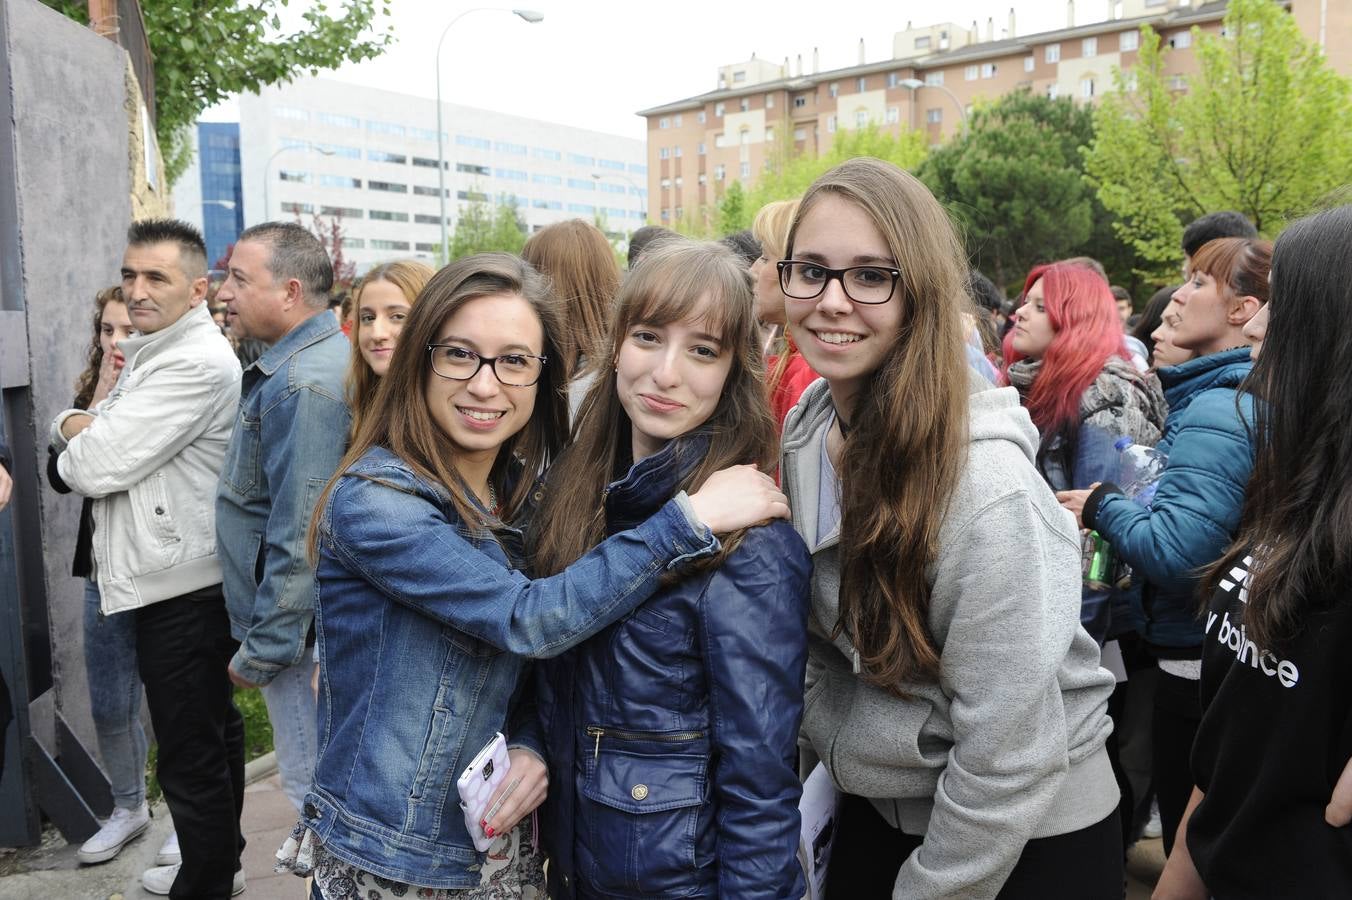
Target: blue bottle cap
(1123,443)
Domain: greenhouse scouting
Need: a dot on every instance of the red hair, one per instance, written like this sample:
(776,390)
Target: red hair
(1088,332)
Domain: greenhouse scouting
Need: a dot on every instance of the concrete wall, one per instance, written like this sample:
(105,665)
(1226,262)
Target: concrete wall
(71,160)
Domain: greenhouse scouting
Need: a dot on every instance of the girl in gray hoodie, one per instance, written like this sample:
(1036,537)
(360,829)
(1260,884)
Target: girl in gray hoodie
(952,693)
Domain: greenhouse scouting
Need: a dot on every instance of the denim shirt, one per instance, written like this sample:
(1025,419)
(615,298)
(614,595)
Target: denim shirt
(289,436)
(423,626)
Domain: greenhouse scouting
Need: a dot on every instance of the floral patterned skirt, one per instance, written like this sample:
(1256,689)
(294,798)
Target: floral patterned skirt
(513,868)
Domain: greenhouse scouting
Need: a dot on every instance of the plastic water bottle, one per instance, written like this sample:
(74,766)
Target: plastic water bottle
(1141,470)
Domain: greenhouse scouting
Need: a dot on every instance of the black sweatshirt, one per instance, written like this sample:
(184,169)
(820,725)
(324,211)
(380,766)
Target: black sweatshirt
(1276,732)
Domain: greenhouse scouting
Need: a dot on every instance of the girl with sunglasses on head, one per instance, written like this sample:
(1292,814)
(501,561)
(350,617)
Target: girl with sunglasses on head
(952,694)
(673,733)
(424,623)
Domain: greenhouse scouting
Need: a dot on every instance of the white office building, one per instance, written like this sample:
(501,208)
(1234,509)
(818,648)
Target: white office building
(318,146)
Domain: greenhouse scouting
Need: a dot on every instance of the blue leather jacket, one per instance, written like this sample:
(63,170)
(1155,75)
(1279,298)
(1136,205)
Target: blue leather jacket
(672,734)
(415,610)
(1197,507)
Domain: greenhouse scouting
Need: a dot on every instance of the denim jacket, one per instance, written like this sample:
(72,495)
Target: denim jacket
(423,626)
(672,734)
(289,436)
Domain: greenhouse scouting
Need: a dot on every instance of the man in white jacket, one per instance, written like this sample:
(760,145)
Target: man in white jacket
(149,455)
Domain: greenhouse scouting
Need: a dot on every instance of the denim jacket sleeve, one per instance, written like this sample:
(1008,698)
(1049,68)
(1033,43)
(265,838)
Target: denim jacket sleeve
(302,440)
(754,641)
(403,545)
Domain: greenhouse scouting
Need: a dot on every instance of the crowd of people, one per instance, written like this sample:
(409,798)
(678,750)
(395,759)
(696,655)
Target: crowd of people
(659,543)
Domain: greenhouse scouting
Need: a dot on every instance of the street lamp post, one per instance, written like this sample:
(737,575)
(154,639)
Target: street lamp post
(597,176)
(528,15)
(915,84)
(267,167)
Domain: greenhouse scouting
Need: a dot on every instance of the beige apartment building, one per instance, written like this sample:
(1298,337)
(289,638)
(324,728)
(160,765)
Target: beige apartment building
(700,145)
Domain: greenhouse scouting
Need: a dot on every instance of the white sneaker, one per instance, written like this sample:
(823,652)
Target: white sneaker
(1153,828)
(122,826)
(169,854)
(161,878)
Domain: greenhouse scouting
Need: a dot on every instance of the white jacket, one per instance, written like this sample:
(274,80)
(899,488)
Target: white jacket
(150,461)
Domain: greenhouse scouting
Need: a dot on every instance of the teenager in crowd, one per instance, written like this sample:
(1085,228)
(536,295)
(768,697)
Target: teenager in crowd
(1165,353)
(1067,360)
(382,301)
(1149,320)
(698,695)
(964,721)
(1275,738)
(110,641)
(423,624)
(1212,227)
(788,375)
(1195,511)
(580,264)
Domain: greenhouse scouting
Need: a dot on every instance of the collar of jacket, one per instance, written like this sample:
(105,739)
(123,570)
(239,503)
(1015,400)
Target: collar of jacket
(311,331)
(191,320)
(653,480)
(1225,369)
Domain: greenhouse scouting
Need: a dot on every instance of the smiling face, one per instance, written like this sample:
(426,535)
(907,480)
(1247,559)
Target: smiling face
(842,340)
(670,378)
(157,289)
(480,414)
(1033,332)
(381,312)
(114,327)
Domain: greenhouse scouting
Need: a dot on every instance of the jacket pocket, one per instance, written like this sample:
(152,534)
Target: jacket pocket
(241,463)
(640,812)
(152,499)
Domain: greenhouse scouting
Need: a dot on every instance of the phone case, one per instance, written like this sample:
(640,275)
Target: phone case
(477,784)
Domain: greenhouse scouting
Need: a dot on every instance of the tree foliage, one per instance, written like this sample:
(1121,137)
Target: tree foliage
(208,50)
(481,227)
(1264,127)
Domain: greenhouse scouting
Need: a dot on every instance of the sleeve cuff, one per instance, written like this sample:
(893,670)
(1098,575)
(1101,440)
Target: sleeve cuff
(58,440)
(251,671)
(705,542)
(1089,515)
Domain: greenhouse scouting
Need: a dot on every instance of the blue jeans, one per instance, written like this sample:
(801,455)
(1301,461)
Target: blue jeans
(115,698)
(291,709)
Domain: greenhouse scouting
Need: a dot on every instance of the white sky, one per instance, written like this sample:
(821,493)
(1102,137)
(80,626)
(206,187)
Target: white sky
(594,63)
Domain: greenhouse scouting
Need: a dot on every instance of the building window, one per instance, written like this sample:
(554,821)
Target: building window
(1089,47)
(614,165)
(582,184)
(1129,40)
(425,248)
(663,122)
(746,170)
(720,172)
(337,120)
(421,191)
(1131,80)
(1051,53)
(290,112)
(351,243)
(1087,88)
(799,102)
(390,187)
(377,244)
(1053,91)
(934,79)
(769,101)
(892,79)
(465,140)
(510,174)
(507,147)
(861,84)
(1028,63)
(676,151)
(834,89)
(988,70)
(679,181)
(746,104)
(342,181)
(1181,40)
(744,136)
(861,118)
(290,207)
(718,140)
(298,177)
(543,153)
(340,152)
(381,156)
(586,209)
(830,124)
(1178,83)
(769,135)
(893,115)
(701,149)
(423,219)
(342,212)
(426,134)
(609,188)
(471,169)
(718,110)
(971,73)
(676,122)
(385,215)
(473,196)
(428,163)
(580,159)
(663,153)
(934,116)
(922,43)
(638,168)
(666,184)
(389,128)
(739,76)
(703,179)
(700,118)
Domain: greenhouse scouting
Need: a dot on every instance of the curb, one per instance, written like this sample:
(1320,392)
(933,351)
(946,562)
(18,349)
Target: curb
(264,766)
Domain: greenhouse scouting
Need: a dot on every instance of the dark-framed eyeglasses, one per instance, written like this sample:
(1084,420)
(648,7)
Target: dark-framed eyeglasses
(862,284)
(461,364)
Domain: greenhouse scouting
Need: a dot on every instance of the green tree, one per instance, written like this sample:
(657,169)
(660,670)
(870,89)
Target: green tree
(733,213)
(208,50)
(789,175)
(480,227)
(1265,128)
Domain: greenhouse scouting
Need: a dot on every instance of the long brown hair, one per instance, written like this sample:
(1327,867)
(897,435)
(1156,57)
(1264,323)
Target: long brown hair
(400,421)
(1298,504)
(907,443)
(88,381)
(581,263)
(410,276)
(666,286)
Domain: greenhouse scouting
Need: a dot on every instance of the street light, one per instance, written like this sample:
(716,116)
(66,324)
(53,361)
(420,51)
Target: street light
(529,15)
(915,84)
(267,166)
(597,176)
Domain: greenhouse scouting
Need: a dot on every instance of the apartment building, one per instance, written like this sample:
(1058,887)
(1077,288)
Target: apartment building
(699,145)
(369,156)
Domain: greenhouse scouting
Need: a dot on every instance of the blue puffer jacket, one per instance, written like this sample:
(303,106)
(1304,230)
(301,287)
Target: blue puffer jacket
(1196,509)
(672,735)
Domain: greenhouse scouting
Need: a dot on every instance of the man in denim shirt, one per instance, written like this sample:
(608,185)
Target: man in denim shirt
(289,436)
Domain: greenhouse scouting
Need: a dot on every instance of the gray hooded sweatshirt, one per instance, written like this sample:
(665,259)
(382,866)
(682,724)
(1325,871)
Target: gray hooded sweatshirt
(1008,744)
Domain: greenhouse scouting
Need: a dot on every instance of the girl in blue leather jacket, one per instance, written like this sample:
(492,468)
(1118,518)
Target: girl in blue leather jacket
(672,733)
(423,622)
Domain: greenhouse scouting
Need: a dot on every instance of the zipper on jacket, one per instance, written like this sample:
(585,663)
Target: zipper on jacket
(597,732)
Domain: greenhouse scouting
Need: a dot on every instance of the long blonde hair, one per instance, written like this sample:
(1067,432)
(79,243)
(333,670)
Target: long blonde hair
(907,442)
(410,276)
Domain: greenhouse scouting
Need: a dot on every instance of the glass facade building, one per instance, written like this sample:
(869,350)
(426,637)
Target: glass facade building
(222,190)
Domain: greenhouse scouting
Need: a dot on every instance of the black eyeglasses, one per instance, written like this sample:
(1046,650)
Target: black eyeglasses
(461,364)
(862,284)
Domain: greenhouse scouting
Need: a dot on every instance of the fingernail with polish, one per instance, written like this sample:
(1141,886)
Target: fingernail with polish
(488,831)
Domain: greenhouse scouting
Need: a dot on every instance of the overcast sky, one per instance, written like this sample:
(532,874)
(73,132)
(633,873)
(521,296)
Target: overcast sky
(594,63)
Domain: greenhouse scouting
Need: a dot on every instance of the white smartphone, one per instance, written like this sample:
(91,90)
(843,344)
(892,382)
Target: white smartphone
(476,785)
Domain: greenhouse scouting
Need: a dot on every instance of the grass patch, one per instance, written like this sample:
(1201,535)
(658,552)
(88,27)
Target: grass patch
(257,737)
